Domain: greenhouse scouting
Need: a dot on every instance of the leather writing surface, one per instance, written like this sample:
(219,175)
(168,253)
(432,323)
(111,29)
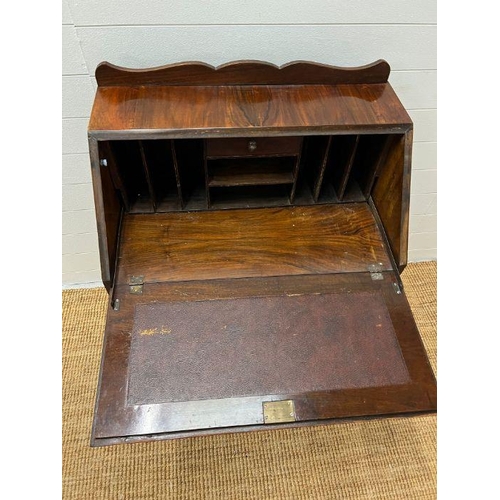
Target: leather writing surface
(216,349)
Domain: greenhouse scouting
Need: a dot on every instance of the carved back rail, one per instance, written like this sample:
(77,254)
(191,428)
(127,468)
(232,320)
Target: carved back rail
(242,73)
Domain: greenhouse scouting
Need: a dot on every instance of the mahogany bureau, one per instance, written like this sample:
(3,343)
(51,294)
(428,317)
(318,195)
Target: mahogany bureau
(253,225)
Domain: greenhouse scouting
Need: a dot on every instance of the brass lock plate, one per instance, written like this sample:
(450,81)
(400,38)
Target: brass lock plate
(276,412)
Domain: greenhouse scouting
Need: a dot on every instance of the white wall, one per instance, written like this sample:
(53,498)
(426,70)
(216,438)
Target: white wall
(145,33)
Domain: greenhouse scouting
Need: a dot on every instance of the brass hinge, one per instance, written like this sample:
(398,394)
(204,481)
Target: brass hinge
(375,271)
(136,284)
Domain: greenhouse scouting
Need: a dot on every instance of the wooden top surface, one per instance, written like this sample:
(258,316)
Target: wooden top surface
(250,243)
(251,110)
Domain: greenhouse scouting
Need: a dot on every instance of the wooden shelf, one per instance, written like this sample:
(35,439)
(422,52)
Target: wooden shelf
(271,195)
(250,172)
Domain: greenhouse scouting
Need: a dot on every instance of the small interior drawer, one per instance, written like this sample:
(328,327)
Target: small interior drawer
(253,146)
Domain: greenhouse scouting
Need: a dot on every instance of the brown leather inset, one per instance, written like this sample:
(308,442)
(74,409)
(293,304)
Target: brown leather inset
(214,349)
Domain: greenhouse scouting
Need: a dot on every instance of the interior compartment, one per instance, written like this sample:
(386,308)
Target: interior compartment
(146,175)
(172,175)
(158,157)
(250,172)
(128,162)
(369,159)
(189,155)
(341,156)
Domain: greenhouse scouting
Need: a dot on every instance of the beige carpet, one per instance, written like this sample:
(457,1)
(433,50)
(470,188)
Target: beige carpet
(379,459)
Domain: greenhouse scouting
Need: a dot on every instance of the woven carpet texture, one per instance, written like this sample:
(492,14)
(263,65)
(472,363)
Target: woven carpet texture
(392,458)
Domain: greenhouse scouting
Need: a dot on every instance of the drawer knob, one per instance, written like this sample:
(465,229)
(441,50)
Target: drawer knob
(252,146)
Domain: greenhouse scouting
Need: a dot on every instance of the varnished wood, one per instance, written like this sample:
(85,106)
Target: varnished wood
(108,214)
(323,158)
(252,162)
(405,201)
(377,163)
(114,417)
(177,174)
(129,159)
(147,173)
(166,436)
(243,243)
(263,147)
(242,73)
(115,172)
(295,175)
(249,111)
(394,178)
(246,197)
(341,162)
(250,173)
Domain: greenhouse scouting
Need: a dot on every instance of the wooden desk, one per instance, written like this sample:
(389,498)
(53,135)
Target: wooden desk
(253,222)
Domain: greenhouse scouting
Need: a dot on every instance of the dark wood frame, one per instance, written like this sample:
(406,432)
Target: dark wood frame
(242,73)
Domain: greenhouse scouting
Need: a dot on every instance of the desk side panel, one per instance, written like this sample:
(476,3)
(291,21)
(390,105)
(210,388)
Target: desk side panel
(108,212)
(391,197)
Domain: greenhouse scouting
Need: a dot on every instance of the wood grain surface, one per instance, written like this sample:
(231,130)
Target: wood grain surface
(108,213)
(394,177)
(244,243)
(250,173)
(243,147)
(189,111)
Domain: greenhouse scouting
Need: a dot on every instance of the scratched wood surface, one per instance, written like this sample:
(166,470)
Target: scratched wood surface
(245,243)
